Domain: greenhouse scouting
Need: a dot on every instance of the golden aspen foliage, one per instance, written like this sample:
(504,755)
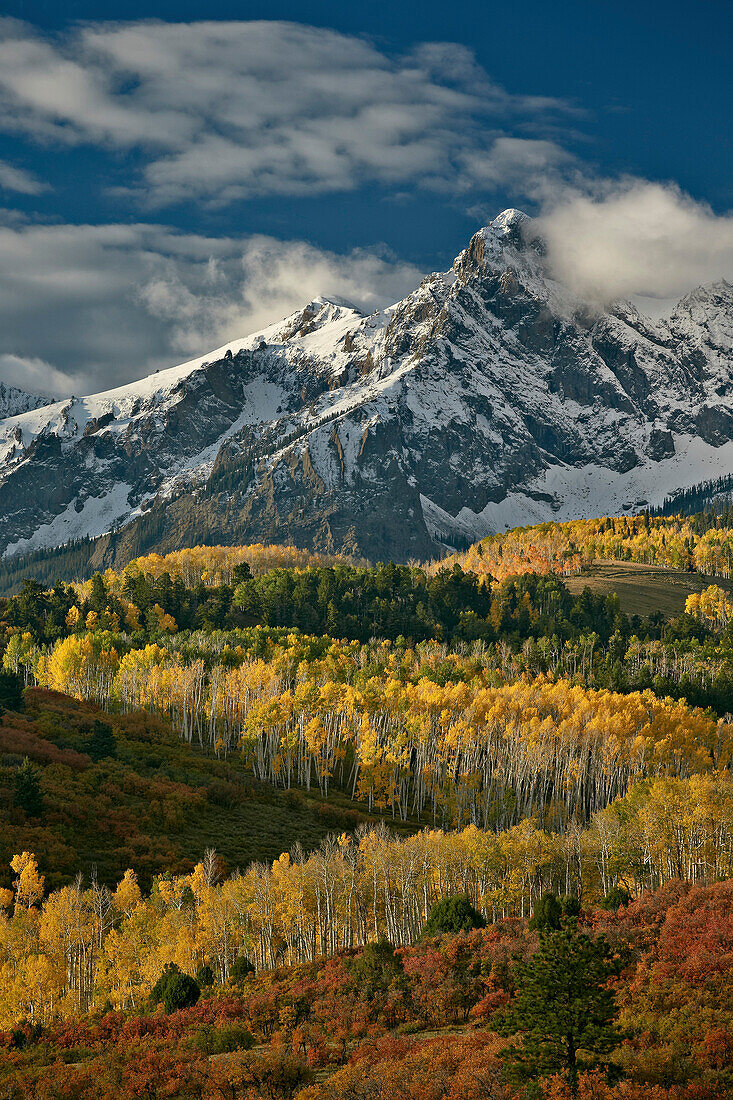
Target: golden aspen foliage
(28,884)
(563,548)
(70,953)
(73,618)
(712,606)
(127,896)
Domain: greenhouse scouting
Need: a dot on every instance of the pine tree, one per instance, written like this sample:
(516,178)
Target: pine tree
(102,742)
(564,1011)
(240,970)
(205,976)
(241,572)
(181,991)
(547,913)
(175,989)
(28,789)
(376,968)
(98,596)
(11,691)
(452,915)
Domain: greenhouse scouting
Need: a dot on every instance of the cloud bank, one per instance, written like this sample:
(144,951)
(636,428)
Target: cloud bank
(215,113)
(83,308)
(20,181)
(226,111)
(630,238)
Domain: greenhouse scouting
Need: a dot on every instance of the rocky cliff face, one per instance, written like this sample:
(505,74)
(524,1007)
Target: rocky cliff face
(488,397)
(14,400)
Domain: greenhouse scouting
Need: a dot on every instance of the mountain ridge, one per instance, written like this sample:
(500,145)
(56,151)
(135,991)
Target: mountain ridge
(488,397)
(14,401)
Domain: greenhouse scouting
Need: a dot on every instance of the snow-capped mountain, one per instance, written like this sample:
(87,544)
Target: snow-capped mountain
(490,396)
(14,400)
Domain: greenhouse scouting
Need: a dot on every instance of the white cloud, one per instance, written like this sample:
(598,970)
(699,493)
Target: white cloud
(36,375)
(215,112)
(223,111)
(17,179)
(83,308)
(533,168)
(634,237)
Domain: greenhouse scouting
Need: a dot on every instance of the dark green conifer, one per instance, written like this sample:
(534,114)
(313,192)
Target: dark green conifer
(101,744)
(452,915)
(563,1017)
(28,794)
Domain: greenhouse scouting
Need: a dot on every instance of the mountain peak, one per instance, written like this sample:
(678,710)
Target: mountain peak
(485,398)
(319,312)
(509,221)
(322,300)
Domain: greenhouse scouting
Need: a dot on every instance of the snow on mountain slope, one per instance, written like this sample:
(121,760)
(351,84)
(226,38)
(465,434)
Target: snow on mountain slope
(14,400)
(489,396)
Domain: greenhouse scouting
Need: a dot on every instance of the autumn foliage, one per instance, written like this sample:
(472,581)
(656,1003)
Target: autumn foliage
(500,742)
(424,1032)
(563,548)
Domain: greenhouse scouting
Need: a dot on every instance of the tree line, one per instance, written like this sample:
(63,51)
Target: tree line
(85,944)
(702,543)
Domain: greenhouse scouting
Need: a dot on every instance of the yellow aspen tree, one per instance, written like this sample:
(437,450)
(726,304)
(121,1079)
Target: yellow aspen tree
(28,884)
(128,895)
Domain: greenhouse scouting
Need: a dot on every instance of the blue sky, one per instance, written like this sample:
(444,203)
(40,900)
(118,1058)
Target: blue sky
(168,183)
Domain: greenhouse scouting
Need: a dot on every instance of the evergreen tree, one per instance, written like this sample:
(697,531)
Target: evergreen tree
(98,595)
(564,1012)
(181,991)
(240,970)
(547,914)
(616,898)
(241,572)
(570,907)
(175,989)
(28,789)
(11,691)
(452,915)
(169,971)
(376,968)
(205,976)
(101,744)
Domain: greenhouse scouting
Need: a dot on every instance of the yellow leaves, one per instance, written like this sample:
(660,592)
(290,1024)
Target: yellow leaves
(134,955)
(215,565)
(82,666)
(21,653)
(164,622)
(127,896)
(201,880)
(314,735)
(30,989)
(172,891)
(28,884)
(712,606)
(132,616)
(563,548)
(133,680)
(468,744)
(346,892)
(73,617)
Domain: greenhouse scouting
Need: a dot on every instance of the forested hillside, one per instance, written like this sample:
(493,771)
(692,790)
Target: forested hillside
(701,543)
(279,776)
(103,792)
(79,559)
(429,1020)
